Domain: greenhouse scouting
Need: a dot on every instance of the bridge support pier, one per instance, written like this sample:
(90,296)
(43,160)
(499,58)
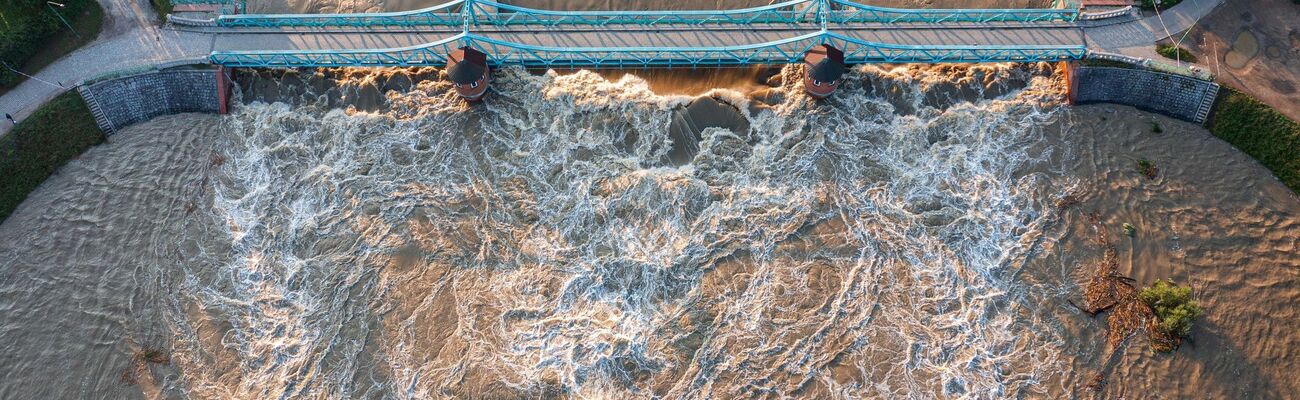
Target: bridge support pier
(223,90)
(823,68)
(1068,69)
(469,72)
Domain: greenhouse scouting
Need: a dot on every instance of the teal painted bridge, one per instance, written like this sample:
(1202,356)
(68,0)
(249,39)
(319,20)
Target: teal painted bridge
(773,34)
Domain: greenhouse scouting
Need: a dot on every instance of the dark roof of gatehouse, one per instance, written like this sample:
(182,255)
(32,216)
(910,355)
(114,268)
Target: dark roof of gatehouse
(466,65)
(827,63)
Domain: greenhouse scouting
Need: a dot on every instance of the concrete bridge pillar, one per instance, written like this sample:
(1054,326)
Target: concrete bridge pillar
(468,71)
(823,68)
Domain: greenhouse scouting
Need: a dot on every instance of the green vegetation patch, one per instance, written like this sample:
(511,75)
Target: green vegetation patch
(32,34)
(1147,168)
(1174,307)
(57,132)
(1261,132)
(1173,52)
(162,7)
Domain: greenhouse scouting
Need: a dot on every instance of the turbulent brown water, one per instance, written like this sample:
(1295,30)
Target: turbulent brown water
(899,240)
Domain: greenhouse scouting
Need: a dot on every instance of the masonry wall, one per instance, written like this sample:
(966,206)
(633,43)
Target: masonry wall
(1177,96)
(120,102)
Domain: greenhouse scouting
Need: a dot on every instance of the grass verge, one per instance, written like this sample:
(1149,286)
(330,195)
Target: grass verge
(1175,53)
(30,45)
(57,132)
(1260,131)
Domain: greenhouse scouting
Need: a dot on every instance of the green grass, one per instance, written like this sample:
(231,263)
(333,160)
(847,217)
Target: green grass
(1175,53)
(1261,132)
(32,36)
(57,132)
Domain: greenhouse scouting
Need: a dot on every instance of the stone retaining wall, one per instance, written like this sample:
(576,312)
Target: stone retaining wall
(1177,96)
(120,102)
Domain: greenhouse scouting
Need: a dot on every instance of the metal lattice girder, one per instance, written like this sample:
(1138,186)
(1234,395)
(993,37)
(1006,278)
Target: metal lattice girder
(844,12)
(430,54)
(488,12)
(447,14)
(789,50)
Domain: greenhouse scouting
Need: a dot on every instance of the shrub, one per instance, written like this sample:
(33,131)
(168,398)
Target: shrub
(1261,132)
(1175,53)
(1129,229)
(1147,168)
(57,132)
(1155,127)
(162,7)
(1173,306)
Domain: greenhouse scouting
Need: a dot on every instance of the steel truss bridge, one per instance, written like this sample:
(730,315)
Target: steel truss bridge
(773,34)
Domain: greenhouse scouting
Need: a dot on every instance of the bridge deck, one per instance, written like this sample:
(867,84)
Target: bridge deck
(778,33)
(640,36)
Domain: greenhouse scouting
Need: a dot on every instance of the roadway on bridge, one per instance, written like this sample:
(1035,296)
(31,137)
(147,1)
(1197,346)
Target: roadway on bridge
(299,39)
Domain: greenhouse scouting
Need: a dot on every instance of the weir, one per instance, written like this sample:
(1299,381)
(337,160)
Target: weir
(781,33)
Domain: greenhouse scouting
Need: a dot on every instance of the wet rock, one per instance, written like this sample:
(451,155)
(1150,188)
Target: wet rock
(892,92)
(923,205)
(775,81)
(941,217)
(769,75)
(767,96)
(688,124)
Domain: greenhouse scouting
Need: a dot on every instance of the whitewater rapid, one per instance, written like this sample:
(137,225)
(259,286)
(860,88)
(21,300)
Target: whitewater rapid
(538,244)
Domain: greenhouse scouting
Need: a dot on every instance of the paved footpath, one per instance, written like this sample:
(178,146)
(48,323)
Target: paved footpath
(131,38)
(1137,38)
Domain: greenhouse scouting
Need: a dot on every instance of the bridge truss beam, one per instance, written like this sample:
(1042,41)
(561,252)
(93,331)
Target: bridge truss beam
(491,13)
(502,53)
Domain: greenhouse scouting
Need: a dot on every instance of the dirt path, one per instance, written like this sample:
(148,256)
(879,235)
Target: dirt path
(1254,46)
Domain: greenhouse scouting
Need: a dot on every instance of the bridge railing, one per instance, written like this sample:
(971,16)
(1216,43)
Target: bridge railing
(425,54)
(789,50)
(843,11)
(488,12)
(447,14)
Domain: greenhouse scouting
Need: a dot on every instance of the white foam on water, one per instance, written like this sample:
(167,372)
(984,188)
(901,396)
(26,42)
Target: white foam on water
(842,248)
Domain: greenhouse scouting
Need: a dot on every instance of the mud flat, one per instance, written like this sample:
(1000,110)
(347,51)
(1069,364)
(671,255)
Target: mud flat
(1254,46)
